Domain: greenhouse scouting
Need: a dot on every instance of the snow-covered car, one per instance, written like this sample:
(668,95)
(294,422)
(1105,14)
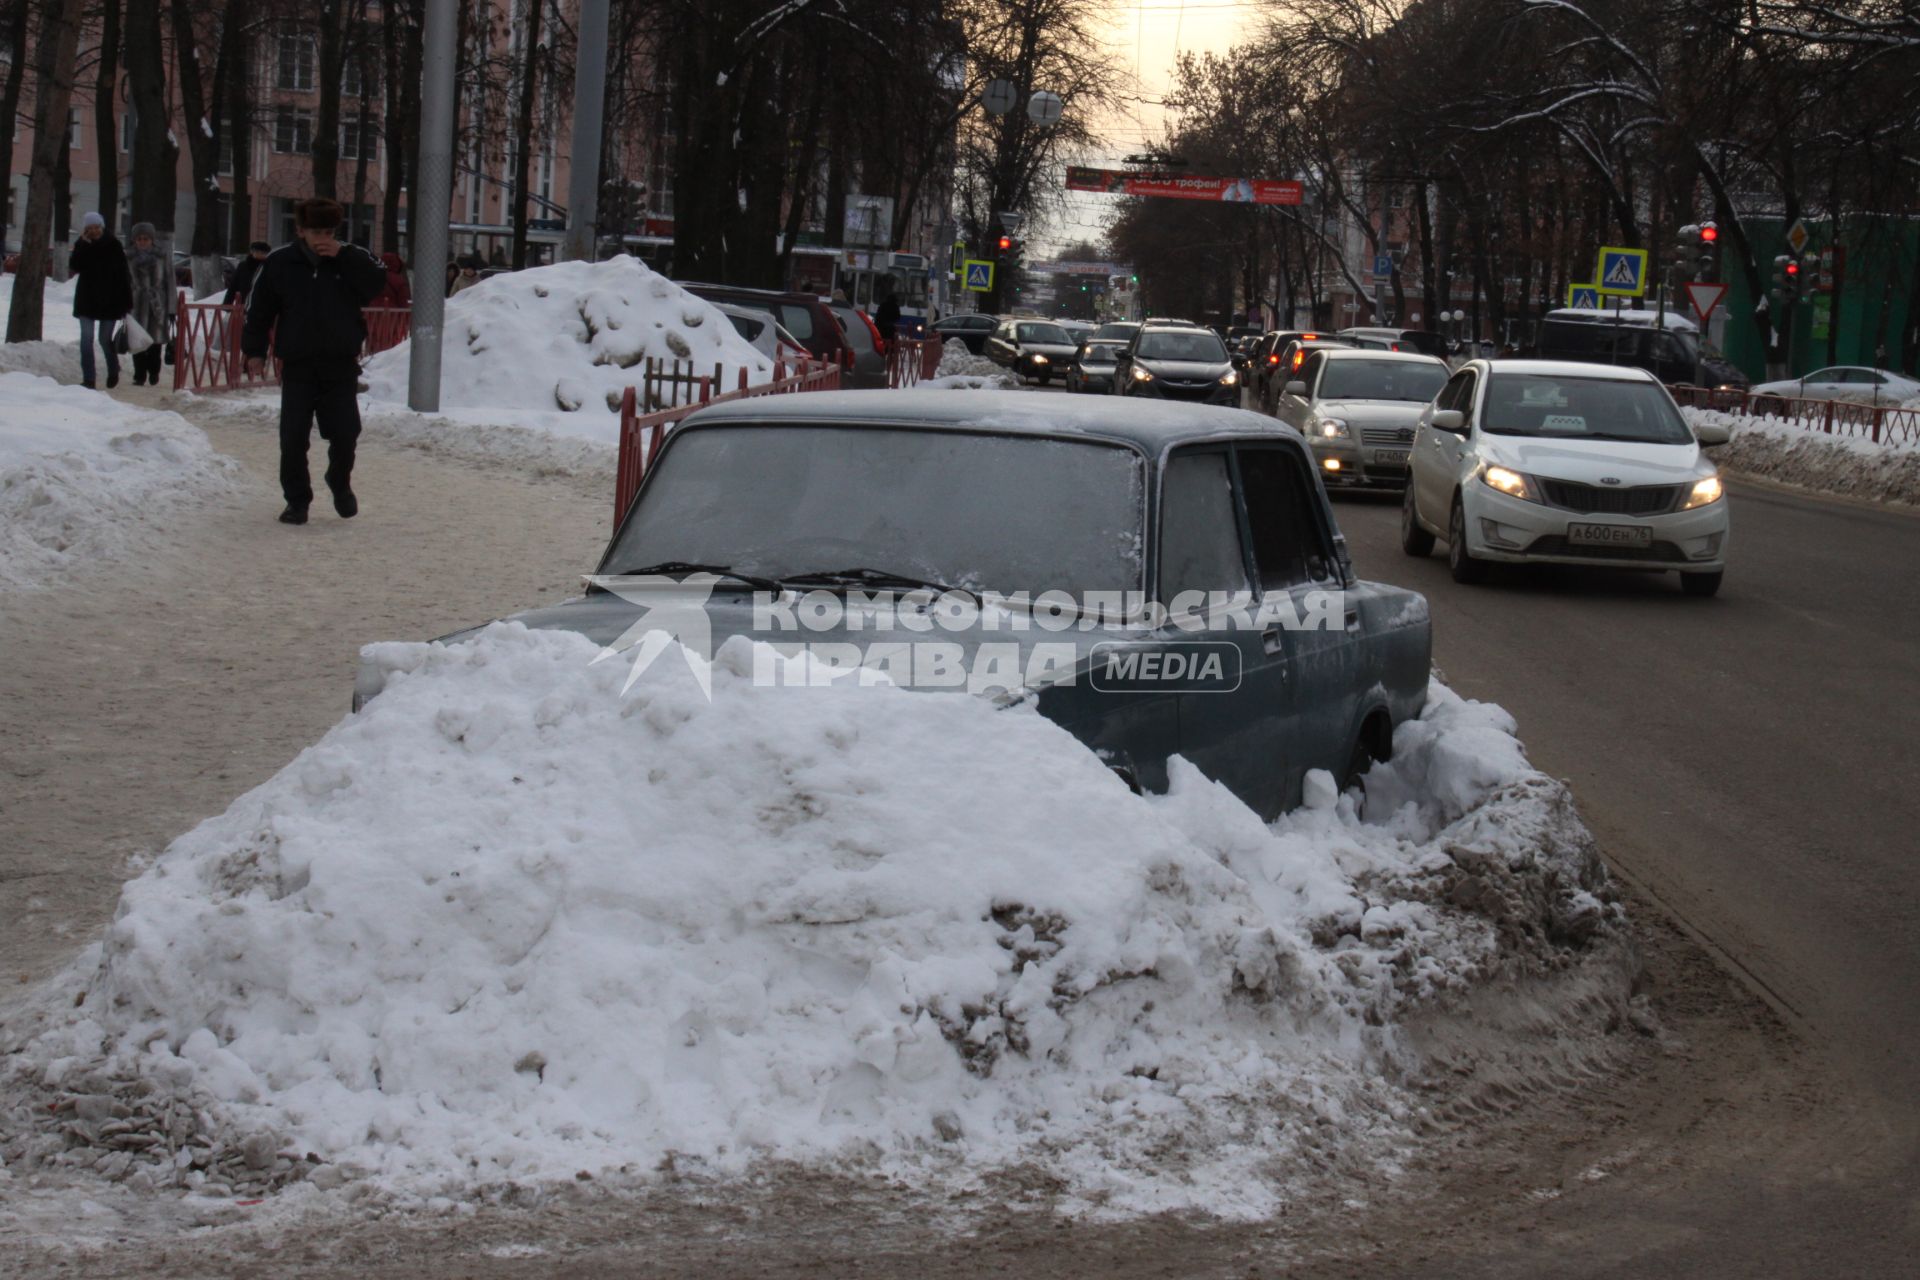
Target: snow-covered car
(1358,409)
(1855,383)
(1178,569)
(1177,362)
(1565,463)
(1035,349)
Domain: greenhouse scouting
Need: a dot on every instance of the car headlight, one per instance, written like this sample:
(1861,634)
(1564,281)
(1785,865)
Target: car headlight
(1706,491)
(1230,378)
(1331,428)
(1141,375)
(1039,359)
(1511,483)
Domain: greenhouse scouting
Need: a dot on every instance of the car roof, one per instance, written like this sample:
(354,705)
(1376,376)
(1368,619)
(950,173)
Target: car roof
(1364,353)
(1565,369)
(1147,424)
(693,286)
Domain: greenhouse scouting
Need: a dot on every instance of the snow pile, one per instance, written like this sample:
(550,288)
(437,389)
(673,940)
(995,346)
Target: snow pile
(57,360)
(86,478)
(57,322)
(507,926)
(569,339)
(1780,450)
(961,370)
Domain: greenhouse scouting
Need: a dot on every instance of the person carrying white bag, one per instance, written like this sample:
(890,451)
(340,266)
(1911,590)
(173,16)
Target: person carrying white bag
(146,324)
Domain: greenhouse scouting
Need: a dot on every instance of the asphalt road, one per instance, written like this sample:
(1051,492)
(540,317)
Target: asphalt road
(1748,761)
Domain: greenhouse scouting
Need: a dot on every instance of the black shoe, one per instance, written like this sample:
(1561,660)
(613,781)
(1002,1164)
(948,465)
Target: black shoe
(346,504)
(88,385)
(293,515)
(113,379)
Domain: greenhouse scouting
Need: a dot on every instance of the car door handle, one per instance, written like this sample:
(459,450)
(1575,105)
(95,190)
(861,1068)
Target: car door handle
(1353,618)
(1273,640)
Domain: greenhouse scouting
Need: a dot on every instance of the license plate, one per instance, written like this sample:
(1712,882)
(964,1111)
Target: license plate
(1391,457)
(1609,535)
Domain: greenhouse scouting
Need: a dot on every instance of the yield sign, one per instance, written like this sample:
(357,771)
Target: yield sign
(1705,298)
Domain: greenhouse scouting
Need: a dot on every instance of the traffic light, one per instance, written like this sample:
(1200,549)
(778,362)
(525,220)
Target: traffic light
(1793,269)
(1709,234)
(1006,244)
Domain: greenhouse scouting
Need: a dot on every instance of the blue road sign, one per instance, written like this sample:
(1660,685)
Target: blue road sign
(1583,295)
(1621,272)
(1383,264)
(979,275)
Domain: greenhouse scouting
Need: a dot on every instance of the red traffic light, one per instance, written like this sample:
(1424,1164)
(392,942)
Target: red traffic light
(1709,234)
(1793,269)
(1006,243)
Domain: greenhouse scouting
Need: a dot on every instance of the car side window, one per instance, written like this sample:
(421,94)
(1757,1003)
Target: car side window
(1289,544)
(1456,393)
(1310,371)
(1199,531)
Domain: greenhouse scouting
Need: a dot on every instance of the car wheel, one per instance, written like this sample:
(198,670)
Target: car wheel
(1702,585)
(1414,540)
(1460,561)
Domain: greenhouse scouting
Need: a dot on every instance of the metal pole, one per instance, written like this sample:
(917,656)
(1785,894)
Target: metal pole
(589,102)
(428,205)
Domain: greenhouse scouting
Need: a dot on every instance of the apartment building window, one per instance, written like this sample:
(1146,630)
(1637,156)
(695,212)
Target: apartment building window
(225,164)
(292,132)
(126,131)
(296,62)
(660,156)
(353,140)
(360,77)
(75,133)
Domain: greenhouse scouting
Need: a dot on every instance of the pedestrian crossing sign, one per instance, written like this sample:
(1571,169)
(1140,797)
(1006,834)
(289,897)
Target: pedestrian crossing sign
(1586,296)
(979,275)
(1621,272)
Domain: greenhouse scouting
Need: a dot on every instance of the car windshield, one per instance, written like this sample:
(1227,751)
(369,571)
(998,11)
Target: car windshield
(1191,344)
(1099,352)
(788,500)
(1381,380)
(1121,331)
(1558,406)
(1045,333)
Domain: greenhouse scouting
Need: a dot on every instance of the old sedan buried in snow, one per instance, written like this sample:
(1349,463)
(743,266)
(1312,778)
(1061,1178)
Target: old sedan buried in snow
(1157,579)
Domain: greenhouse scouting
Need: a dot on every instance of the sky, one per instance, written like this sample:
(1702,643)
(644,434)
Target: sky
(1147,35)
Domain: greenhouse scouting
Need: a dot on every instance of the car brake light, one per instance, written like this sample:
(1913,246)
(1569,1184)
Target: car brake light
(1299,358)
(1393,346)
(1273,357)
(1309,337)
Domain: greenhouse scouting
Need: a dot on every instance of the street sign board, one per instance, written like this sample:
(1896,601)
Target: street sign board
(1011,220)
(1798,235)
(1383,264)
(979,277)
(1705,298)
(1622,272)
(1584,295)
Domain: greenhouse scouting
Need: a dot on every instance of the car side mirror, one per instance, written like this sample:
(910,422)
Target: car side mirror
(1239,360)
(1449,420)
(1296,388)
(1711,432)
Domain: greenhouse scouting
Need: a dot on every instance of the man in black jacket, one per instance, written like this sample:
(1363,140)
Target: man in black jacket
(240,281)
(313,290)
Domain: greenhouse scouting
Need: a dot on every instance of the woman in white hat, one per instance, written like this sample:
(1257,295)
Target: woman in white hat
(102,293)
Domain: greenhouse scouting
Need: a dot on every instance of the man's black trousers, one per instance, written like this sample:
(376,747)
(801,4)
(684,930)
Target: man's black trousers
(326,392)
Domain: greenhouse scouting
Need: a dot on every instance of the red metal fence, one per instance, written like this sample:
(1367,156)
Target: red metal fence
(911,359)
(1879,424)
(641,435)
(206,344)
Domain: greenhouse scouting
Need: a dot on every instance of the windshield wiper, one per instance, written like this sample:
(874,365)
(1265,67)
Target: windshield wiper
(687,567)
(872,578)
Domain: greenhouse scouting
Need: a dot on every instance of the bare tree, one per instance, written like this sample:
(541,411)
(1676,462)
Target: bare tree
(53,72)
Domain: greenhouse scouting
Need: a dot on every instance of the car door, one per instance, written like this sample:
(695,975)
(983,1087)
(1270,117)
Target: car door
(1233,735)
(1313,685)
(1437,454)
(1295,410)
(1821,384)
(1000,346)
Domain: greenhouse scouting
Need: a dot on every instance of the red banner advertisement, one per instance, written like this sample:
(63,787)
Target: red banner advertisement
(1119,182)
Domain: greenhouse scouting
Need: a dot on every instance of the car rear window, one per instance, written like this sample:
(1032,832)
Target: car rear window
(1052,333)
(797,319)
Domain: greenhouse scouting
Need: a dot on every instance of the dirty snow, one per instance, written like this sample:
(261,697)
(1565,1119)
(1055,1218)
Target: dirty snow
(1791,454)
(555,347)
(507,926)
(84,477)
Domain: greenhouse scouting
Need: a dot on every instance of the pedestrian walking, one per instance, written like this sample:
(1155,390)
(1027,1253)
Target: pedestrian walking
(152,290)
(469,274)
(398,292)
(241,282)
(313,290)
(102,294)
(887,318)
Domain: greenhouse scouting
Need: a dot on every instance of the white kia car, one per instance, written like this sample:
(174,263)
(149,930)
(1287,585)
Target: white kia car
(1562,463)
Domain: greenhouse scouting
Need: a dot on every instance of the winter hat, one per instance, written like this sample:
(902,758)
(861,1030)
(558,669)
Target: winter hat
(93,220)
(142,229)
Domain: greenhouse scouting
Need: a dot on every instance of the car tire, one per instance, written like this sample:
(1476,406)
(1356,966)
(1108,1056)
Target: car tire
(1414,540)
(1460,562)
(1702,585)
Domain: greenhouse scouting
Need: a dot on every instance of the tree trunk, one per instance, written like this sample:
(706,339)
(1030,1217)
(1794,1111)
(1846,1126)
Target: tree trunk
(54,71)
(156,154)
(63,200)
(326,120)
(16,46)
(106,140)
(203,151)
(523,129)
(237,55)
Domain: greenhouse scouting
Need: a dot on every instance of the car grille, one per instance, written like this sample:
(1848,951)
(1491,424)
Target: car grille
(1658,553)
(1589,499)
(1188,390)
(1387,437)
